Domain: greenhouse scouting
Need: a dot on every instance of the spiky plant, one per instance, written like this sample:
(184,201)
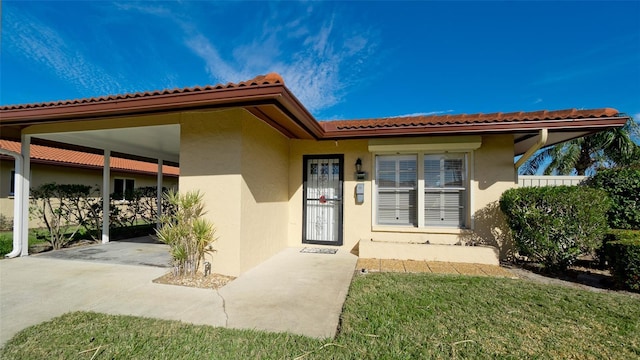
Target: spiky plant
(185,230)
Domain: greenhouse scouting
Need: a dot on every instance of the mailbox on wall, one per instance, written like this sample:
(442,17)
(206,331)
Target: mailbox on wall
(359,193)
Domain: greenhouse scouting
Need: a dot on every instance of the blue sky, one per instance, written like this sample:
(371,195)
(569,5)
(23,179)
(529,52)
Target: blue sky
(343,60)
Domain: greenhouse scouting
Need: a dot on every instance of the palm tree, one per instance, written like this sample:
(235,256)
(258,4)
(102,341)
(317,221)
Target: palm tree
(606,149)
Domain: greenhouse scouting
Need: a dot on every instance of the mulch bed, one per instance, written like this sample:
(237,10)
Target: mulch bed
(212,281)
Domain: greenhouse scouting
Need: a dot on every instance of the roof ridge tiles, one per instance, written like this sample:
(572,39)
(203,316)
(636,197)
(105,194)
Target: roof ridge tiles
(467,119)
(260,80)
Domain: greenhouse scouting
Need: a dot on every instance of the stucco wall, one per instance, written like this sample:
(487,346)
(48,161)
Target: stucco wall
(356,217)
(492,172)
(210,162)
(240,165)
(264,211)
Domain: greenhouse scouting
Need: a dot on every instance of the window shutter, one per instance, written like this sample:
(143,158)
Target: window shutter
(396,179)
(445,190)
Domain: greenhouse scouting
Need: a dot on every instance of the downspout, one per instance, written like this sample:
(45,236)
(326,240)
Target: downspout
(542,141)
(17,203)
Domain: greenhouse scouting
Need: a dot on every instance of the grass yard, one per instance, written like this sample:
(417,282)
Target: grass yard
(386,316)
(6,242)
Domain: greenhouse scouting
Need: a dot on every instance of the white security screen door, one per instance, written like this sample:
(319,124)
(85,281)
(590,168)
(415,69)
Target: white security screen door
(322,208)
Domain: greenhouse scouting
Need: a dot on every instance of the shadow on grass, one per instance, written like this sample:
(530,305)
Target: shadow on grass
(583,272)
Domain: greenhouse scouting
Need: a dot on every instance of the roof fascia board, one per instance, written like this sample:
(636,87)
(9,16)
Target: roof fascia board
(470,129)
(142,105)
(301,115)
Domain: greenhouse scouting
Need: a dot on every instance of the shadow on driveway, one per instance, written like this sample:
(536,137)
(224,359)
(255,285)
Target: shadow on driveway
(144,251)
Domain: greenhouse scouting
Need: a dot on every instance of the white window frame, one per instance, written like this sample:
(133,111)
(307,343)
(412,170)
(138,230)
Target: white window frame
(124,187)
(420,202)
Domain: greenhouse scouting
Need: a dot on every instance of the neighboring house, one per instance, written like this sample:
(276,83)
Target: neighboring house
(273,176)
(63,166)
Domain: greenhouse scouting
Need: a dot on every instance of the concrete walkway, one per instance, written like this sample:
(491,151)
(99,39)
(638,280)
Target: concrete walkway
(297,292)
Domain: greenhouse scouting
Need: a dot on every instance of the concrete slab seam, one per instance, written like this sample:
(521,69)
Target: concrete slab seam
(224,308)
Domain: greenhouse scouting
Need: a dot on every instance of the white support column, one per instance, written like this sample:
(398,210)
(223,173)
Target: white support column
(106,190)
(159,193)
(25,143)
(17,203)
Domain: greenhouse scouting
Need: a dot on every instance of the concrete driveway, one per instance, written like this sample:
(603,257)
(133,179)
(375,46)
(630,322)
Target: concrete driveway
(137,251)
(296,292)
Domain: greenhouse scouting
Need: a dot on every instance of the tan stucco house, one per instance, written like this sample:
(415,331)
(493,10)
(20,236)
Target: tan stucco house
(64,166)
(273,176)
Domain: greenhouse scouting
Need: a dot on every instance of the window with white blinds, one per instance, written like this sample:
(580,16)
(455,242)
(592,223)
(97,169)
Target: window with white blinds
(444,190)
(424,190)
(396,178)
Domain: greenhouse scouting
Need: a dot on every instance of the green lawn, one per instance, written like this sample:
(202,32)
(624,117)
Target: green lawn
(6,241)
(386,316)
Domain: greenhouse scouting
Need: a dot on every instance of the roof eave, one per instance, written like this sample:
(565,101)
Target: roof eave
(590,124)
(246,97)
(142,104)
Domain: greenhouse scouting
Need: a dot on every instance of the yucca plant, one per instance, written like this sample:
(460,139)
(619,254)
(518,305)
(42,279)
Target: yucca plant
(185,230)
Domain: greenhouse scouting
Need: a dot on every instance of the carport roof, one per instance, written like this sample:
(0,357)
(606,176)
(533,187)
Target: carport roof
(56,156)
(267,97)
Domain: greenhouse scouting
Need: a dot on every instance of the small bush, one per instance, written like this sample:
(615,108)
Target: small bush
(6,243)
(6,223)
(623,254)
(554,225)
(623,187)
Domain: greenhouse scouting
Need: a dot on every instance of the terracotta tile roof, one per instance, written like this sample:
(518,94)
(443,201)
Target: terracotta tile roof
(464,119)
(82,159)
(267,98)
(258,81)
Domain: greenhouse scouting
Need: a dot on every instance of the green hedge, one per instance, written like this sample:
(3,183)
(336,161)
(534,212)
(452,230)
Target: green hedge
(554,225)
(623,187)
(623,254)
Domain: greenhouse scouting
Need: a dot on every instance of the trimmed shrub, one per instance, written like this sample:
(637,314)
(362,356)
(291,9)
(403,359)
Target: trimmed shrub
(554,225)
(6,223)
(623,254)
(623,187)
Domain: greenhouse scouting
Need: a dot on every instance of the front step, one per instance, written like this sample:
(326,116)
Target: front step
(482,254)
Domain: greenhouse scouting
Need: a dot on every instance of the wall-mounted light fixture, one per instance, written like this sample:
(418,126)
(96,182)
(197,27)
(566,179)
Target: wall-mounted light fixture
(360,175)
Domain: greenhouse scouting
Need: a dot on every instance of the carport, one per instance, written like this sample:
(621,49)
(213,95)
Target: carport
(149,139)
(141,126)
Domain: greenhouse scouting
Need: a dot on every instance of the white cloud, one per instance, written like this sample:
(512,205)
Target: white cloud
(429,113)
(537,101)
(215,65)
(316,62)
(31,39)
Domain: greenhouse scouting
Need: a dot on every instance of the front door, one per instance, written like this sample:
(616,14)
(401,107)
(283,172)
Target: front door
(322,207)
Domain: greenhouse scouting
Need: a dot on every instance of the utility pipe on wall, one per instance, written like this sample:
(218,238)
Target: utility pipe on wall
(25,150)
(17,203)
(542,141)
